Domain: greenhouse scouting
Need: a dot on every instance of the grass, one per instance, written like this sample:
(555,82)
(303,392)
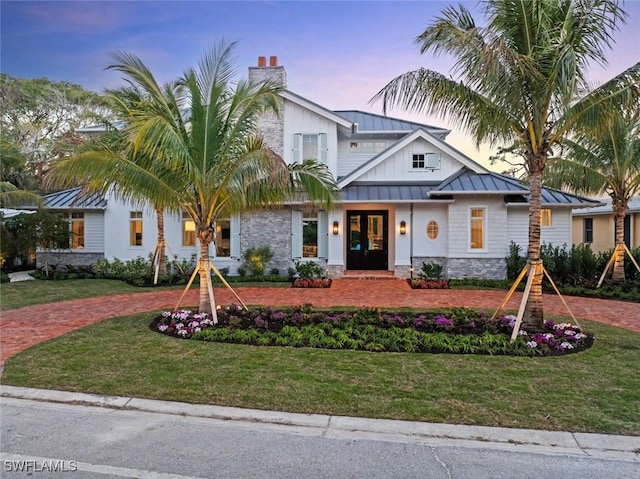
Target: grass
(594,391)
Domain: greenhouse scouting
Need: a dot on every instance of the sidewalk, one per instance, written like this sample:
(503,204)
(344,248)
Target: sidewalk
(21,276)
(626,448)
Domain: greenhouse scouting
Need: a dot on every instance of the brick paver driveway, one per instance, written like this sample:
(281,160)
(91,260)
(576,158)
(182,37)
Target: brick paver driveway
(43,322)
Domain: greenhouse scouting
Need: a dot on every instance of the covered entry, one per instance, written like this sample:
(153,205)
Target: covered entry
(367,240)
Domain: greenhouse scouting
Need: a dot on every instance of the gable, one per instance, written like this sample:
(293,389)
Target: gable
(396,163)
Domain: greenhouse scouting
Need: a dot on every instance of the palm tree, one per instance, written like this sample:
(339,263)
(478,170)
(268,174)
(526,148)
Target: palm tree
(517,81)
(604,157)
(110,162)
(201,131)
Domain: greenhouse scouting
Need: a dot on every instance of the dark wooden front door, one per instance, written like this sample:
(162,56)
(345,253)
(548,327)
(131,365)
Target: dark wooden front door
(367,240)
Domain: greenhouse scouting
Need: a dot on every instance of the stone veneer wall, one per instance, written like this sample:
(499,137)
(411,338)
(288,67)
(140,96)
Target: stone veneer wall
(271,126)
(334,271)
(483,268)
(268,228)
(459,268)
(419,260)
(61,259)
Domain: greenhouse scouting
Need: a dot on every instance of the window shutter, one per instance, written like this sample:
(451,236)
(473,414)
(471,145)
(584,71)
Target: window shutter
(322,145)
(323,234)
(234,223)
(297,148)
(296,234)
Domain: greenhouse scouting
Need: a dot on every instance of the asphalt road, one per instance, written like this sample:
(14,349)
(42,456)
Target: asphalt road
(54,440)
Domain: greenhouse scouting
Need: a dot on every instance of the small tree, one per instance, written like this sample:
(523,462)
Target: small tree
(27,232)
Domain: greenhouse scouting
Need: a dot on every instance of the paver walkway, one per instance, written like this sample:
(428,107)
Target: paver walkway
(25,327)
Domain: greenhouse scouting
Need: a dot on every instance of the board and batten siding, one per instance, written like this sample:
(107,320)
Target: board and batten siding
(399,165)
(298,119)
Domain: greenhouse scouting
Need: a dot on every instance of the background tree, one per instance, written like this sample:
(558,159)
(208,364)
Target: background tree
(22,234)
(603,157)
(516,82)
(16,184)
(40,115)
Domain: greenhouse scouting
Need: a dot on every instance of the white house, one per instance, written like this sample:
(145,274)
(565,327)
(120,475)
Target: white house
(408,197)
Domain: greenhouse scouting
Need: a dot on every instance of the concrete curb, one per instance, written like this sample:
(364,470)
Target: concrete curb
(524,440)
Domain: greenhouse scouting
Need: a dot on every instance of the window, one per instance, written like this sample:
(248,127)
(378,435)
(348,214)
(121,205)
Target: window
(188,230)
(545,217)
(309,235)
(432,230)
(223,238)
(588,230)
(135,228)
(77,230)
(367,147)
(310,146)
(417,161)
(428,161)
(477,228)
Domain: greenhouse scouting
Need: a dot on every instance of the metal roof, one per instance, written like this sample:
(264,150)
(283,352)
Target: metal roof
(75,198)
(386,192)
(606,208)
(372,123)
(468,182)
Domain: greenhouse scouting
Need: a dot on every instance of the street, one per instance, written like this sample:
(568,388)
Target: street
(54,440)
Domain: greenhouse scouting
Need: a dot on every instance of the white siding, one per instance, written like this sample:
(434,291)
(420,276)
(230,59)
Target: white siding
(300,120)
(93,232)
(422,244)
(347,163)
(398,167)
(495,222)
(558,234)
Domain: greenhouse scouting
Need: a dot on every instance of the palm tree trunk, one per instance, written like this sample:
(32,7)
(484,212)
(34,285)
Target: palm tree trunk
(533,318)
(204,271)
(618,276)
(162,256)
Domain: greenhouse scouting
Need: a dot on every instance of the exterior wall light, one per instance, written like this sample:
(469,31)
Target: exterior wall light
(335,228)
(403,227)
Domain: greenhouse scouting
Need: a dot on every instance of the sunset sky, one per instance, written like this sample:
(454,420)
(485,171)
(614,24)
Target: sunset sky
(337,54)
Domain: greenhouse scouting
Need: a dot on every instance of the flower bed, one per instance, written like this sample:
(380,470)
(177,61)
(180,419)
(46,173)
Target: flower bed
(459,331)
(312,283)
(428,283)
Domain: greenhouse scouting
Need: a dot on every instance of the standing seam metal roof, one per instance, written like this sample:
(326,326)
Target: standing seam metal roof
(370,122)
(75,198)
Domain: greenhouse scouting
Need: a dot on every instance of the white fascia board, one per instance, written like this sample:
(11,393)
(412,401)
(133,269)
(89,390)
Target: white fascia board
(314,107)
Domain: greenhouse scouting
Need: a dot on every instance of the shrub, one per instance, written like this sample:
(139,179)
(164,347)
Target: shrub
(309,270)
(430,272)
(256,259)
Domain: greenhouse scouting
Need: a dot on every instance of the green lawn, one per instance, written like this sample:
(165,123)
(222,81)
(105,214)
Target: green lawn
(594,391)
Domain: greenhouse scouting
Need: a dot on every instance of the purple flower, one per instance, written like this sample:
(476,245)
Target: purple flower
(443,322)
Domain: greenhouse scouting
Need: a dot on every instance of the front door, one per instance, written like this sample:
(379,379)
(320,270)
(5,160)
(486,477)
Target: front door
(367,238)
